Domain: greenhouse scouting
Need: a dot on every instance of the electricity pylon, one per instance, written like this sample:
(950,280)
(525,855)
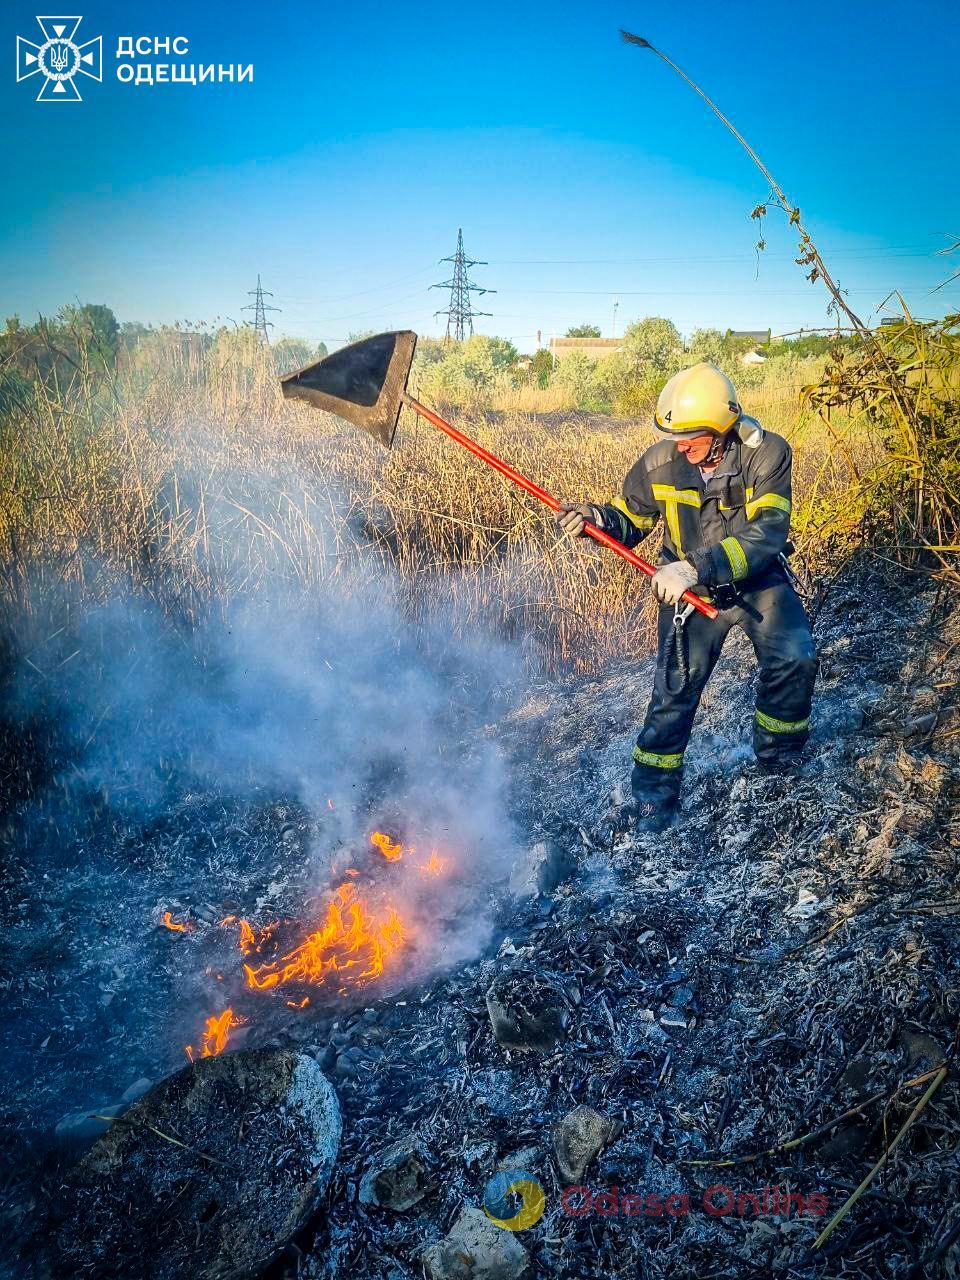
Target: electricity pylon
(460,312)
(259,308)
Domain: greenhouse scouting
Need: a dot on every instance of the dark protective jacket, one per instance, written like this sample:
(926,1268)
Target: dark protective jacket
(731,527)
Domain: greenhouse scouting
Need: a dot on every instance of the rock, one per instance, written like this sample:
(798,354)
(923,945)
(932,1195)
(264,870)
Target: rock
(349,1063)
(257,1135)
(856,1076)
(849,1140)
(136,1091)
(673,1018)
(578,1140)
(398,1178)
(82,1128)
(539,869)
(681,996)
(476,1249)
(922,1050)
(525,1158)
(921,725)
(527,1010)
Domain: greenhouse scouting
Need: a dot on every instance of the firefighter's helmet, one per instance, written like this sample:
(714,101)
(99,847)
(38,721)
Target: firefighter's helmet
(696,400)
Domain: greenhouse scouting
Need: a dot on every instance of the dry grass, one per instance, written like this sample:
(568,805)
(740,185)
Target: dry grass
(186,477)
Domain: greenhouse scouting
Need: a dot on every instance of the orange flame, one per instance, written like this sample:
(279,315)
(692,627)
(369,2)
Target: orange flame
(175,926)
(350,937)
(435,865)
(391,850)
(215,1035)
(247,938)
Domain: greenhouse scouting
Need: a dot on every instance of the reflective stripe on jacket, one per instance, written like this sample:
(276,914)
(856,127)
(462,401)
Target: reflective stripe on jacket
(731,527)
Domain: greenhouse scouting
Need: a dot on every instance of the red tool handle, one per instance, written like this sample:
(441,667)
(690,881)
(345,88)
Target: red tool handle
(598,535)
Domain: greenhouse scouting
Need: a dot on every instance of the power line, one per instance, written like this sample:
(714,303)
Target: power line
(878,252)
(460,312)
(667,292)
(259,308)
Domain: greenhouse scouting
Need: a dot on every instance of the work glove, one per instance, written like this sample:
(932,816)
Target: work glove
(571,516)
(672,580)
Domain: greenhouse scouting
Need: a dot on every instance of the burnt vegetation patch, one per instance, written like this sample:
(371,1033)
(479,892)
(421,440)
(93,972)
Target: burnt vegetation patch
(744,1001)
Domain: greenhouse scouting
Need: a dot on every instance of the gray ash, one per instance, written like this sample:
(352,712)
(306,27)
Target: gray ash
(788,950)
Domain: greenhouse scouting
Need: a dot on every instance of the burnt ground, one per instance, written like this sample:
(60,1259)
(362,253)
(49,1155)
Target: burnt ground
(786,953)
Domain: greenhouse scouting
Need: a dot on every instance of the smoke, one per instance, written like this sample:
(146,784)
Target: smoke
(341,701)
(179,744)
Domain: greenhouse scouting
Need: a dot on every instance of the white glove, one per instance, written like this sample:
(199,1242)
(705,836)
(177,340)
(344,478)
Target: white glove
(571,517)
(672,580)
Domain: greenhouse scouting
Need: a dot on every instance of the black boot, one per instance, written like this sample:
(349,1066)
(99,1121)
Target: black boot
(656,794)
(778,763)
(638,816)
(653,816)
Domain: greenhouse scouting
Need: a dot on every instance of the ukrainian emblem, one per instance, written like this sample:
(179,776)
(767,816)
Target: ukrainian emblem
(59,59)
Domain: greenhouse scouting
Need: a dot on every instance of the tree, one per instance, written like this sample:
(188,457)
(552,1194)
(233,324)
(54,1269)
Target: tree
(584,331)
(652,347)
(294,353)
(707,344)
(132,333)
(541,367)
(575,371)
(459,372)
(95,324)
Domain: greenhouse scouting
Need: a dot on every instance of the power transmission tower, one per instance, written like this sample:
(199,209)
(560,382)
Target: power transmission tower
(259,308)
(460,312)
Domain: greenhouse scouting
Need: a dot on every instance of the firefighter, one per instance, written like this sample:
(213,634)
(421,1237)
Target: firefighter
(721,485)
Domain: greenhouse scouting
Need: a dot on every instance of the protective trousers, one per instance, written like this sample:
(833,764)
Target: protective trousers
(771,614)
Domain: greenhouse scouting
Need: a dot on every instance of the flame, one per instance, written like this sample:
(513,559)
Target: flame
(392,851)
(354,942)
(329,804)
(175,926)
(248,939)
(350,937)
(215,1035)
(435,865)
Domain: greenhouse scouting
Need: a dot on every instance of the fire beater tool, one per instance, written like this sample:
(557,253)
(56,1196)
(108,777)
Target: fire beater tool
(366,384)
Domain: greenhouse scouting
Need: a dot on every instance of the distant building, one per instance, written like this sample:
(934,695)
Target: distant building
(759,337)
(594,348)
(756,338)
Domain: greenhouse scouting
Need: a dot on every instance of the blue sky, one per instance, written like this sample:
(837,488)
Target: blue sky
(581,169)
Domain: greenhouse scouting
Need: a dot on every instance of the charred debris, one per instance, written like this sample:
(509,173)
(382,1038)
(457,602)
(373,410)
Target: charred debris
(747,1001)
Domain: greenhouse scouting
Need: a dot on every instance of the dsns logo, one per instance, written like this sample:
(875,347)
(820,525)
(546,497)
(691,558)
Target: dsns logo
(500,1196)
(59,59)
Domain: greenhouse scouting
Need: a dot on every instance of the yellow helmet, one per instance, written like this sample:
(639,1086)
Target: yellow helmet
(695,400)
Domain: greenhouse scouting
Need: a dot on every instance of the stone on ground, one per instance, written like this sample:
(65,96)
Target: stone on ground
(476,1249)
(540,869)
(579,1138)
(398,1178)
(209,1175)
(527,1010)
